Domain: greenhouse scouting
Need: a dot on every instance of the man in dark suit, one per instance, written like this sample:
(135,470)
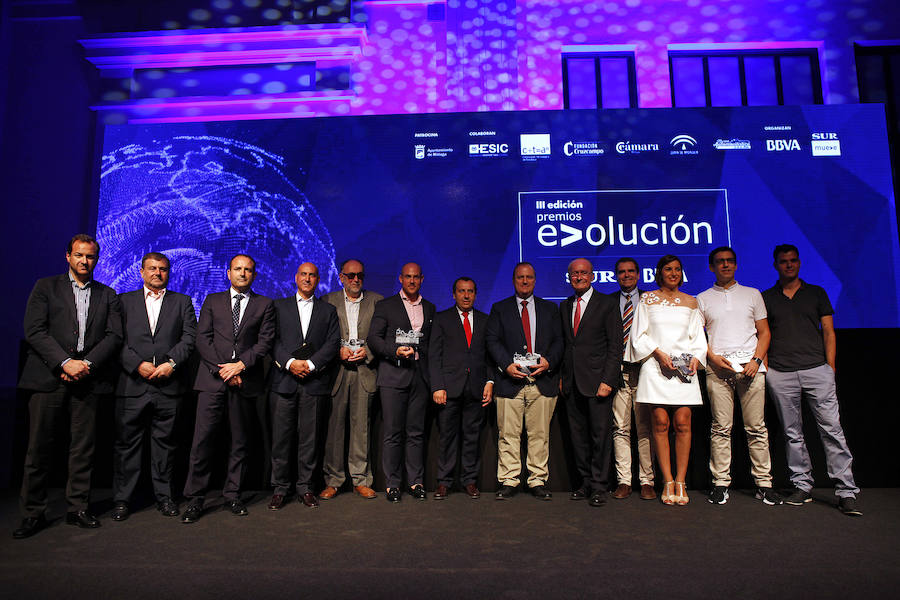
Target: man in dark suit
(403,380)
(457,363)
(73,331)
(160,328)
(235,332)
(519,328)
(354,386)
(306,342)
(592,329)
(624,406)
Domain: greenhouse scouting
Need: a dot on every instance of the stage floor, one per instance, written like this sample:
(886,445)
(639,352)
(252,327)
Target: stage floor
(460,548)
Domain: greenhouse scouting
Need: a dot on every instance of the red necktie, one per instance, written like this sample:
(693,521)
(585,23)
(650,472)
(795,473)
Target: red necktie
(468,327)
(526,325)
(577,315)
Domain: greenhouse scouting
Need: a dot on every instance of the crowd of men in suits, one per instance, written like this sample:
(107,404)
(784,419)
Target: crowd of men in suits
(85,344)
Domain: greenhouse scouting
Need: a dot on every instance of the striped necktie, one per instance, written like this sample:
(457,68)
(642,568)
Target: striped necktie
(627,318)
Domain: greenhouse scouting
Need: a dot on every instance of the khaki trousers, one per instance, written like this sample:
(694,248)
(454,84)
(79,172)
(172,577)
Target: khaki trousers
(623,408)
(536,410)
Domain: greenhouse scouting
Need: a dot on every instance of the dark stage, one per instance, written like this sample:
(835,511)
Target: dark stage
(459,548)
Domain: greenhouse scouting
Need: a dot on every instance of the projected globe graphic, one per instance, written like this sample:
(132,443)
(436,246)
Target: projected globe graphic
(200,200)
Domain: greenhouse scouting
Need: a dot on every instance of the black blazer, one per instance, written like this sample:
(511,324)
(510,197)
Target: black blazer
(594,356)
(216,342)
(176,331)
(323,337)
(505,338)
(452,364)
(390,315)
(51,335)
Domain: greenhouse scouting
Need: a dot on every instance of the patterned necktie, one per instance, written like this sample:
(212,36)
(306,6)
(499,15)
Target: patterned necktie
(577,315)
(526,325)
(236,312)
(467,327)
(627,318)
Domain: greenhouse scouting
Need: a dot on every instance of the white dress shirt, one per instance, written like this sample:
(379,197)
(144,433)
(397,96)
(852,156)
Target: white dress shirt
(304,307)
(153,302)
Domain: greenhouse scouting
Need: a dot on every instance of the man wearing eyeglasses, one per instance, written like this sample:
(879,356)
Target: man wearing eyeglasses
(354,386)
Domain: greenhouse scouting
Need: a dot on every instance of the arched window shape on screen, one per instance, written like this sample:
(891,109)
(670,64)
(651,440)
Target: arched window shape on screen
(599,77)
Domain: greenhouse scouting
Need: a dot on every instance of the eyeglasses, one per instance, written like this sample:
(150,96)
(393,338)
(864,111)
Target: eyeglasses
(359,275)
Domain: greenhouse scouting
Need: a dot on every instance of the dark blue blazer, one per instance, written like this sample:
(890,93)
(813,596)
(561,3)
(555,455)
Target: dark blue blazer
(594,356)
(505,338)
(323,336)
(452,363)
(390,315)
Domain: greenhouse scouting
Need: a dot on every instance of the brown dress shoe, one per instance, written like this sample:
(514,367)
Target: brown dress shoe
(365,491)
(647,492)
(309,499)
(441,492)
(328,493)
(276,502)
(622,492)
(472,492)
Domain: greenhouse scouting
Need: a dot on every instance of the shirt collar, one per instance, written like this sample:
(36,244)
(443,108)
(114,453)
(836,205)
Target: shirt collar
(727,290)
(406,299)
(234,293)
(586,296)
(625,294)
(76,282)
(529,299)
(302,299)
(149,292)
(351,300)
(460,312)
(778,283)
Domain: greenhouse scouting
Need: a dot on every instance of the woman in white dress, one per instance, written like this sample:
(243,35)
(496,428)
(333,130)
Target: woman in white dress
(667,324)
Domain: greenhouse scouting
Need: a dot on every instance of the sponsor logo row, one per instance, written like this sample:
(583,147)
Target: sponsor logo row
(535,146)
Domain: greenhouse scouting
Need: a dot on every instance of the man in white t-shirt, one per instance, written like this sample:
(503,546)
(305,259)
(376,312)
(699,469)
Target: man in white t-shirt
(738,333)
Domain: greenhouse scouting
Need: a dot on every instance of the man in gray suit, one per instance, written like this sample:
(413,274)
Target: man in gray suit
(354,386)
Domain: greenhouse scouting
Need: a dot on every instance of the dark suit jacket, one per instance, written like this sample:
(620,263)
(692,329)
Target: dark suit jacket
(390,315)
(323,336)
(505,338)
(366,368)
(176,330)
(451,362)
(594,356)
(51,334)
(216,341)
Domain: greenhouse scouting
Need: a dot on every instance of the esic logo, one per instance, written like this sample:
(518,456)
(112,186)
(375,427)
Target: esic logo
(825,144)
(782,145)
(535,144)
(492,149)
(683,145)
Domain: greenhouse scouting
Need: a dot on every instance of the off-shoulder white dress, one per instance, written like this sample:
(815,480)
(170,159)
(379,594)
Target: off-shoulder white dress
(674,329)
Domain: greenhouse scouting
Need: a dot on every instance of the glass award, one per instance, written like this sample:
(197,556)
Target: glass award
(682,364)
(407,338)
(353,344)
(531,359)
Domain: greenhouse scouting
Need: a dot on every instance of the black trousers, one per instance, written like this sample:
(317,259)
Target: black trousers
(49,411)
(156,412)
(403,415)
(460,422)
(590,426)
(295,417)
(212,409)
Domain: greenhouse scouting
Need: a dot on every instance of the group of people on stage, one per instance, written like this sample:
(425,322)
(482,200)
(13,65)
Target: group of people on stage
(630,357)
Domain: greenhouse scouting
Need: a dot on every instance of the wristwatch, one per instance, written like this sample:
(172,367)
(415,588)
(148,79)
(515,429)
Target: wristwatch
(757,360)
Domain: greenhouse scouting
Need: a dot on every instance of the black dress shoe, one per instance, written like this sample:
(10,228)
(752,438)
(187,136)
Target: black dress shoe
(393,495)
(237,507)
(581,493)
(505,492)
(29,527)
(83,519)
(120,511)
(598,499)
(167,508)
(541,493)
(418,492)
(193,512)
(309,499)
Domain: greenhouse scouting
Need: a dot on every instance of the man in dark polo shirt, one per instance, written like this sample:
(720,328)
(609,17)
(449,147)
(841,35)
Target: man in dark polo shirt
(801,364)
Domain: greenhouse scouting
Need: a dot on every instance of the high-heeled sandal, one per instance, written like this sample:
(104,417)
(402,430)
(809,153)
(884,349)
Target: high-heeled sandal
(667,496)
(681,498)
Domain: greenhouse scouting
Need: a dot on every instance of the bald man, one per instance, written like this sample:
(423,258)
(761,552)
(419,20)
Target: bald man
(307,341)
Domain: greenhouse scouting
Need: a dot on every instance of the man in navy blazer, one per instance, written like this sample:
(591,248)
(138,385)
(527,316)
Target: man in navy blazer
(160,328)
(521,326)
(73,330)
(457,363)
(306,343)
(403,381)
(235,332)
(592,329)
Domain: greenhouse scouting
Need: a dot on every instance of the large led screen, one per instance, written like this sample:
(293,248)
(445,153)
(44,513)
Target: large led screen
(473,193)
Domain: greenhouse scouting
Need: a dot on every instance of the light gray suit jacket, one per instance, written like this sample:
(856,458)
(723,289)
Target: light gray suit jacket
(367,368)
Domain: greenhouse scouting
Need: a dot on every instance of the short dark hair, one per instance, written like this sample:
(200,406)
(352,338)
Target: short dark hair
(782,248)
(712,255)
(155,256)
(230,262)
(524,263)
(626,259)
(82,237)
(341,267)
(663,262)
(458,279)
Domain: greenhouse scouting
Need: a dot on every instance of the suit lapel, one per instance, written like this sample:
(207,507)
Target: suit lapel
(247,311)
(164,311)
(65,292)
(589,310)
(405,315)
(343,319)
